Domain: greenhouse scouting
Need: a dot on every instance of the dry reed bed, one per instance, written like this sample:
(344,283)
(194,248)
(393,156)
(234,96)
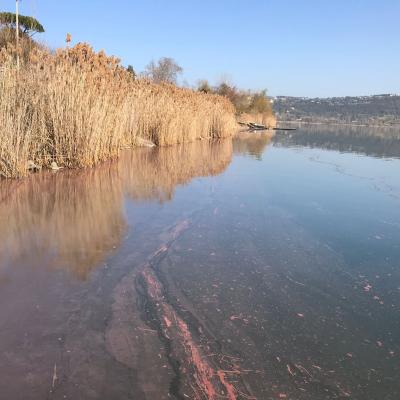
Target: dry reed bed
(77,216)
(78,108)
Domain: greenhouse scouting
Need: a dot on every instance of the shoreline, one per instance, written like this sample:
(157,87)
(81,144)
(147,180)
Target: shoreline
(336,124)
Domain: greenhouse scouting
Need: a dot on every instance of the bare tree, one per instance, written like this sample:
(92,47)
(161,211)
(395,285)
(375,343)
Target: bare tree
(164,70)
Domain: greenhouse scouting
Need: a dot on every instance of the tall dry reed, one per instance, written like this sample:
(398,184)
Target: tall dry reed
(78,107)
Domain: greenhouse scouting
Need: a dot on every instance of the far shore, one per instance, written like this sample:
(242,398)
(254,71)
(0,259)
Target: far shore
(336,124)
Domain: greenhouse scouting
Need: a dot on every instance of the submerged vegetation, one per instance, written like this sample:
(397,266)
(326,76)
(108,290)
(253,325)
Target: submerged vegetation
(77,107)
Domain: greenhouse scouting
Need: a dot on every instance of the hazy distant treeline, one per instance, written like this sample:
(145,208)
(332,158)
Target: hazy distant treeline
(366,110)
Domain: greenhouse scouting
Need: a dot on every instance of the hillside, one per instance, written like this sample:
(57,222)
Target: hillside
(381,109)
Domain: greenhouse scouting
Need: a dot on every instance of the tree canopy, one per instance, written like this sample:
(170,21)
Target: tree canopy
(131,71)
(245,101)
(28,25)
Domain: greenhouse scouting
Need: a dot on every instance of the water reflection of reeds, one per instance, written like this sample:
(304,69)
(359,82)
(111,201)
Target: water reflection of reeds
(251,143)
(153,174)
(74,218)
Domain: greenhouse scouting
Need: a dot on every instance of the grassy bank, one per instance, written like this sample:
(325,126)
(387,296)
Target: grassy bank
(77,108)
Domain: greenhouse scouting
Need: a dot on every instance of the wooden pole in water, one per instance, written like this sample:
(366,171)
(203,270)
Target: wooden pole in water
(17,29)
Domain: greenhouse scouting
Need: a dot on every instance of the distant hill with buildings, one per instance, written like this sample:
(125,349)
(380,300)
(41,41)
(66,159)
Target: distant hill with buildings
(383,109)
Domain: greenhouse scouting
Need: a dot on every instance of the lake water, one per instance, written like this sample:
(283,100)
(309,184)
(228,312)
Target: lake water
(252,268)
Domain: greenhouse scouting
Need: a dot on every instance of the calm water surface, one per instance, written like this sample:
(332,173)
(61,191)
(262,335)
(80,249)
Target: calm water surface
(252,268)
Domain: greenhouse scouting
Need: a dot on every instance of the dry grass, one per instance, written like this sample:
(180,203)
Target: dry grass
(78,108)
(27,44)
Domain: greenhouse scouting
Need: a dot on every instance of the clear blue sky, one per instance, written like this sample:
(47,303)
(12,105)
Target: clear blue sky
(297,47)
